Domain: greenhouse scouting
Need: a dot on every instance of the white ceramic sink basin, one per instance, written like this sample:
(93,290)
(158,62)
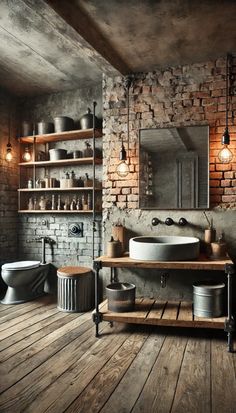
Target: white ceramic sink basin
(164,248)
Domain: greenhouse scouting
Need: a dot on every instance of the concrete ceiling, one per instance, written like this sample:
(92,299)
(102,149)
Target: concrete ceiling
(53,45)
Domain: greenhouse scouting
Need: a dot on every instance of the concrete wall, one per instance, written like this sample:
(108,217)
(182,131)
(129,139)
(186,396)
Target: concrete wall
(177,96)
(66,250)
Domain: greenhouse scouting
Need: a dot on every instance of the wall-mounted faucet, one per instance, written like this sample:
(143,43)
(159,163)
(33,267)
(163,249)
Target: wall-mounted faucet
(43,240)
(155,221)
(183,222)
(169,221)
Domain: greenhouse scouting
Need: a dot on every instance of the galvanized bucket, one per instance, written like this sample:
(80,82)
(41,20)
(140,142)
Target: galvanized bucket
(121,297)
(208,299)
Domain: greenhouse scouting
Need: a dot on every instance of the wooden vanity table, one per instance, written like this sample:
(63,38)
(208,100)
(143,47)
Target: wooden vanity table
(160,312)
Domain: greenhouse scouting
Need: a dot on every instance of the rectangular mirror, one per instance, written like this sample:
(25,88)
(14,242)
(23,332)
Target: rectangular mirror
(174,168)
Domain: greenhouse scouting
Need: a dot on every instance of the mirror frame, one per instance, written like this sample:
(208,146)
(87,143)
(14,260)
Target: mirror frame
(208,170)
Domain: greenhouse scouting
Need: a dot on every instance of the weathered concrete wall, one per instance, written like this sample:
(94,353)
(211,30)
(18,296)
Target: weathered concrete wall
(8,179)
(66,250)
(178,96)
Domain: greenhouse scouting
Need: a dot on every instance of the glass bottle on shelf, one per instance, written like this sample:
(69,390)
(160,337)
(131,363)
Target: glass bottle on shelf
(35,203)
(42,203)
(90,203)
(53,202)
(79,204)
(73,204)
(84,202)
(66,204)
(59,202)
(30,204)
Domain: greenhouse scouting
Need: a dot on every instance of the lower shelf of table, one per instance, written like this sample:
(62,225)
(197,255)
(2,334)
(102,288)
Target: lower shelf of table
(163,313)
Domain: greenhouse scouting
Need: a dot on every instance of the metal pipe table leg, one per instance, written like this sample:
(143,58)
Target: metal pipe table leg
(229,322)
(97,316)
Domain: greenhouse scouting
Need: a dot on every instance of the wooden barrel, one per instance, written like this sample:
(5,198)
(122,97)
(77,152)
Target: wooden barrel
(75,289)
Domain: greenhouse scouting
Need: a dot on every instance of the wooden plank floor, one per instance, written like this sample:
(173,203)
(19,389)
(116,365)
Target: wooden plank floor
(52,362)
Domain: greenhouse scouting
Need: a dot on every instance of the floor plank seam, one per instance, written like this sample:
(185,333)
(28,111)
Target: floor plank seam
(98,374)
(150,372)
(176,385)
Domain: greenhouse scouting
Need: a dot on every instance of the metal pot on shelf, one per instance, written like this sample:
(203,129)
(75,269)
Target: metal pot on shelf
(44,128)
(86,121)
(63,123)
(57,154)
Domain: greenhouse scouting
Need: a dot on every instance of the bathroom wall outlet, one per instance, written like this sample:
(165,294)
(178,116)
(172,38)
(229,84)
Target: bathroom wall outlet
(75,229)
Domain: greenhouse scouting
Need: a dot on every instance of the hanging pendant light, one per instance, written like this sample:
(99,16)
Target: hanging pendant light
(225,155)
(123,166)
(9,154)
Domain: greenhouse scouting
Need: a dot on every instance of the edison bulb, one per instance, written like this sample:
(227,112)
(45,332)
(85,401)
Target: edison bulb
(26,155)
(225,155)
(122,169)
(9,155)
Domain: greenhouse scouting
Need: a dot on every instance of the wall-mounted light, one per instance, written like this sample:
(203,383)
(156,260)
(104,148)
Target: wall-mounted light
(26,155)
(225,155)
(123,166)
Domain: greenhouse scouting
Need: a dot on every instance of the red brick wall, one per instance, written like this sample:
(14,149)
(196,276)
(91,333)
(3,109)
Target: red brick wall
(177,96)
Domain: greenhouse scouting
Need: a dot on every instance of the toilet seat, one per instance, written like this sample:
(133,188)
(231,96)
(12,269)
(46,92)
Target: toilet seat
(21,265)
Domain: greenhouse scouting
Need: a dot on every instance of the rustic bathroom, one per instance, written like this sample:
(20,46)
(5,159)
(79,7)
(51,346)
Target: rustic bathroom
(117,206)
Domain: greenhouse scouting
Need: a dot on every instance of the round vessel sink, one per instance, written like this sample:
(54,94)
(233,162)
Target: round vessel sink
(164,248)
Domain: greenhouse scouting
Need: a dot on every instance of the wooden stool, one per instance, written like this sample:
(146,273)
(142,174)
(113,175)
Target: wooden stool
(75,289)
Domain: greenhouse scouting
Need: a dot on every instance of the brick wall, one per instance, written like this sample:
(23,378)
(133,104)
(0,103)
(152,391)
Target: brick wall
(8,180)
(177,96)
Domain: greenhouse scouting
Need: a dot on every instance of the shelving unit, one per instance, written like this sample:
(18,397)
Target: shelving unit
(46,139)
(165,313)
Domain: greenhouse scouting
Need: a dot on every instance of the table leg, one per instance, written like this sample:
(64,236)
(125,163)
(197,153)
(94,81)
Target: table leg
(97,316)
(229,322)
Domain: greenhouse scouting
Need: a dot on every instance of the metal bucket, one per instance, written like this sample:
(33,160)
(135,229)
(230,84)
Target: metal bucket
(208,299)
(63,123)
(121,297)
(45,128)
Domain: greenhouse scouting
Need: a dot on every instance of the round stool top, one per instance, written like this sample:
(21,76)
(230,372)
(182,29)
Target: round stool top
(73,271)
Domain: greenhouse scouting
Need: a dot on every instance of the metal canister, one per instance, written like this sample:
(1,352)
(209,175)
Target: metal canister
(208,299)
(121,297)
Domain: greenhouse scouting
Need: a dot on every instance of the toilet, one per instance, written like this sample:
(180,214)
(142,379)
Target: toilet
(25,281)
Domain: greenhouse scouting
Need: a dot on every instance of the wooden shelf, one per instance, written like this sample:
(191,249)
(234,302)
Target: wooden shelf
(162,313)
(202,263)
(54,211)
(62,136)
(78,161)
(81,188)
